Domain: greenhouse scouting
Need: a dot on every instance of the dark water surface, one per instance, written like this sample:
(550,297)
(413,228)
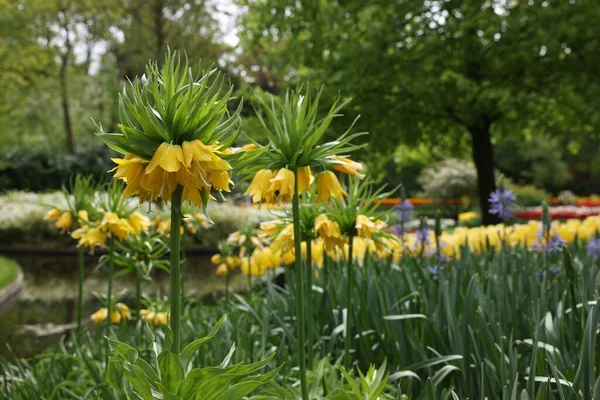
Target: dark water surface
(48,300)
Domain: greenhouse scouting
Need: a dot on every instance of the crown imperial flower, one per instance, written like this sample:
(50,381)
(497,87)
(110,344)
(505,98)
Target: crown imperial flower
(175,131)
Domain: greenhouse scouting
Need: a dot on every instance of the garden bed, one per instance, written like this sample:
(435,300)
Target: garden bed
(560,212)
(23,227)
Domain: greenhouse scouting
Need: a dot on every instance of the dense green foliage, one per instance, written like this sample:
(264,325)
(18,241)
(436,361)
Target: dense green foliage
(456,74)
(433,76)
(63,62)
(490,325)
(43,168)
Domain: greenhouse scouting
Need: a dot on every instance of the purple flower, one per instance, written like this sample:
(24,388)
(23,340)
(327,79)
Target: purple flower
(441,258)
(433,270)
(502,202)
(400,231)
(593,248)
(552,272)
(404,211)
(422,236)
(550,242)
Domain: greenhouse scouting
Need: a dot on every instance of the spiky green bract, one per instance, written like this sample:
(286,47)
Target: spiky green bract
(296,130)
(112,200)
(172,104)
(309,211)
(79,194)
(362,199)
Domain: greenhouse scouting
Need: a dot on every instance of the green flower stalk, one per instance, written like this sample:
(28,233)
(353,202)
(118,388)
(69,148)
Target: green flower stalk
(358,216)
(349,290)
(79,197)
(309,303)
(283,170)
(80,282)
(109,290)
(140,255)
(174,244)
(308,211)
(175,133)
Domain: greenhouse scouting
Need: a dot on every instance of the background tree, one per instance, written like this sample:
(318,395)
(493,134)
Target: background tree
(62,62)
(458,72)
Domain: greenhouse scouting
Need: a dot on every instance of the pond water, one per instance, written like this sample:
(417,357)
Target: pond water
(48,299)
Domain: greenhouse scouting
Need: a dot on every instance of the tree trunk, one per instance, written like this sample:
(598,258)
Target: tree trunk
(65,105)
(483,156)
(159,28)
(64,93)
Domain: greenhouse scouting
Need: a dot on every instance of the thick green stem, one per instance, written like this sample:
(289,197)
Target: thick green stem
(111,245)
(309,302)
(138,290)
(299,288)
(138,299)
(227,285)
(349,289)
(175,248)
(248,260)
(182,252)
(80,265)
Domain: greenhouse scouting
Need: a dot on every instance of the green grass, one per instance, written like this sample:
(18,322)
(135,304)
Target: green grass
(502,325)
(9,270)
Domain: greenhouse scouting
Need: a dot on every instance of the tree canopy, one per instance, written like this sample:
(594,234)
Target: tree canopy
(453,73)
(452,77)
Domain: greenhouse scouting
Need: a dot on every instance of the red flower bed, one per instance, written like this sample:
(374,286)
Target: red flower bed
(560,212)
(580,201)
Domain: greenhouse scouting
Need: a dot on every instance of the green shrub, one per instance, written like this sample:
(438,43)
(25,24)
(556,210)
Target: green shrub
(538,160)
(449,179)
(22,217)
(528,195)
(46,168)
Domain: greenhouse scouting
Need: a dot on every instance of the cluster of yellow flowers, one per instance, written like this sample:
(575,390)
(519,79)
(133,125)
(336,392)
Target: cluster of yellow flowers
(331,243)
(195,222)
(225,264)
(111,225)
(268,255)
(94,234)
(522,235)
(192,223)
(64,219)
(119,313)
(157,318)
(467,216)
(194,165)
(270,186)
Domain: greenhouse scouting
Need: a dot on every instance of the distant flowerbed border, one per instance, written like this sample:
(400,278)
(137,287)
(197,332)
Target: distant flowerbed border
(593,201)
(422,201)
(560,212)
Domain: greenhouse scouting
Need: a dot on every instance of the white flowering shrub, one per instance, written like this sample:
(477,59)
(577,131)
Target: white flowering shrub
(22,220)
(22,217)
(449,179)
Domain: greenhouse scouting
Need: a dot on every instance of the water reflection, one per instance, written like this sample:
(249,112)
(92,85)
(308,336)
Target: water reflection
(50,290)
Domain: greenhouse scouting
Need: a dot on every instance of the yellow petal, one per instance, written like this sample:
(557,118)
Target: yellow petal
(305,179)
(220,180)
(53,214)
(259,186)
(328,186)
